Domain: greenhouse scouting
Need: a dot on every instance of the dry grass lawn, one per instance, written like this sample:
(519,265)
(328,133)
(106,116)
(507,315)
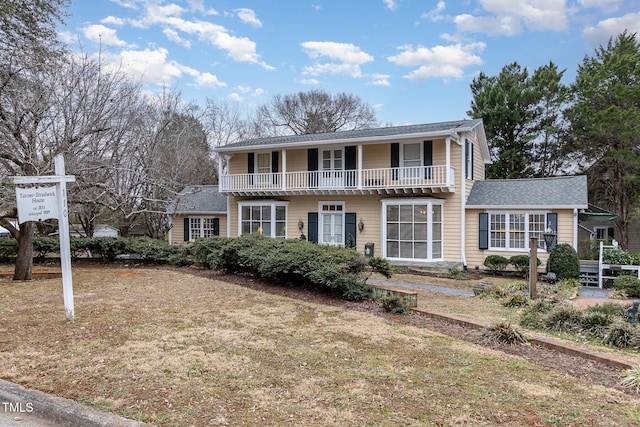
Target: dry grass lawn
(174,349)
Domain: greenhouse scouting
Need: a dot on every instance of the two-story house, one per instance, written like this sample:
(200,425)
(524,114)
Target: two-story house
(401,191)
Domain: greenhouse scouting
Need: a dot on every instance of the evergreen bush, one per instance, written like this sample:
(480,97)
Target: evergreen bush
(563,260)
(8,249)
(629,284)
(521,263)
(496,263)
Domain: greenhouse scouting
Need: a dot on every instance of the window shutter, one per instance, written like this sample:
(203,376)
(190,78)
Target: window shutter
(483,241)
(428,158)
(186,230)
(216,226)
(552,222)
(251,163)
(395,158)
(312,227)
(274,162)
(350,164)
(350,227)
(472,163)
(312,166)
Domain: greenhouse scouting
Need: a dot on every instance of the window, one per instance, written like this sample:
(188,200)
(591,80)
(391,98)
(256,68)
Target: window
(202,227)
(265,218)
(332,223)
(603,233)
(413,229)
(512,230)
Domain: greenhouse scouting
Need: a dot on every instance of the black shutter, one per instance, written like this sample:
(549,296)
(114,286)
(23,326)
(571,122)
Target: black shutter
(395,159)
(312,166)
(466,158)
(483,241)
(350,227)
(216,226)
(251,166)
(312,227)
(274,166)
(472,163)
(350,164)
(186,230)
(552,223)
(428,158)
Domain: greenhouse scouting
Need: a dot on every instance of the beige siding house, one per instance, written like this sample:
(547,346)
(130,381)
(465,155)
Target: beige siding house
(400,192)
(198,211)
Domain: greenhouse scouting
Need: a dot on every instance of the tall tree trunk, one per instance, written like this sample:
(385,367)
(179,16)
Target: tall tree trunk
(24,258)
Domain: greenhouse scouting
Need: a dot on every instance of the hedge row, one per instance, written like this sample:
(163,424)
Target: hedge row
(293,261)
(497,263)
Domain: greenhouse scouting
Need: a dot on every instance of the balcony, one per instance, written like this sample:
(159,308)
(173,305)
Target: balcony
(422,179)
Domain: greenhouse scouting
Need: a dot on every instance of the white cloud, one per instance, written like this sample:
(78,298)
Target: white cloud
(208,80)
(439,61)
(149,66)
(605,5)
(248,16)
(311,82)
(235,97)
(380,80)
(600,34)
(391,4)
(243,89)
(104,35)
(508,17)
(349,58)
(435,14)
(173,36)
(112,20)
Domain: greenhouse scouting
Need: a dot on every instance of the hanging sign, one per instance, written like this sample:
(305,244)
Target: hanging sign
(37,203)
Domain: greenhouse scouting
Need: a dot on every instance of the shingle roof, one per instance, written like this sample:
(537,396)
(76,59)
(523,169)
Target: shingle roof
(198,199)
(555,192)
(427,128)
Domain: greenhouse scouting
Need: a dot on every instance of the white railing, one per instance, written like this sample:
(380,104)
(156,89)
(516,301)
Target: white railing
(365,179)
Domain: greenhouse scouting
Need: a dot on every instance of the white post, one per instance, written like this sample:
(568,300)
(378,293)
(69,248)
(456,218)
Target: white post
(63,230)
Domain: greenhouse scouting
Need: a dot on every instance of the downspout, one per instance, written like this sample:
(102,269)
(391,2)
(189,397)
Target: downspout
(575,229)
(463,213)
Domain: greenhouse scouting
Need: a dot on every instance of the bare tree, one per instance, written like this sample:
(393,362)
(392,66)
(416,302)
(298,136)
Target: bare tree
(315,111)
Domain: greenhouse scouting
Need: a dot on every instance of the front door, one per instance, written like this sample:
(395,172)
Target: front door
(332,223)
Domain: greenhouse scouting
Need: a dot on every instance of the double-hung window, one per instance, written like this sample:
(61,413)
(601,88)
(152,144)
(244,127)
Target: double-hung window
(267,218)
(201,227)
(512,230)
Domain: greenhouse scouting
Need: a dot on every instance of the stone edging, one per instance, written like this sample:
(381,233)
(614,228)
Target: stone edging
(562,347)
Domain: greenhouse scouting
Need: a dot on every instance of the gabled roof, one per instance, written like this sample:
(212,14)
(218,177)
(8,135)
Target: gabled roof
(530,193)
(427,130)
(198,199)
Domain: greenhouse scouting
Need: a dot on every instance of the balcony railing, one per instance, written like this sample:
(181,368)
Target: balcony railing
(433,178)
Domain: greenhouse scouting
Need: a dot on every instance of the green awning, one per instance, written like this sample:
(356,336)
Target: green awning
(596,214)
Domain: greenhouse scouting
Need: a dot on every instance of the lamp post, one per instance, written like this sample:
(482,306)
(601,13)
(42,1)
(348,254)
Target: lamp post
(549,237)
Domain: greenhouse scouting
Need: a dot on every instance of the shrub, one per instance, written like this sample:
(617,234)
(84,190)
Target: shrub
(521,263)
(620,334)
(532,315)
(563,318)
(45,245)
(356,291)
(153,249)
(631,379)
(617,256)
(496,262)
(504,332)
(563,260)
(516,300)
(596,322)
(394,304)
(611,309)
(8,249)
(382,266)
(629,284)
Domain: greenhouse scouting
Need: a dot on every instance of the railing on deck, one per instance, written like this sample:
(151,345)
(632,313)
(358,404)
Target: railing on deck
(365,179)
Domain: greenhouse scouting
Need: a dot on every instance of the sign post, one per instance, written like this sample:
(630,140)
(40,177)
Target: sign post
(39,203)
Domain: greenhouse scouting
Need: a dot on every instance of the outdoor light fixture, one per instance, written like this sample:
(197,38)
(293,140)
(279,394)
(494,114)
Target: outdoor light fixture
(300,224)
(549,237)
(361,225)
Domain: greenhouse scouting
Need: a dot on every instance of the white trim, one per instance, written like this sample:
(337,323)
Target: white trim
(412,202)
(321,213)
(526,213)
(272,204)
(463,212)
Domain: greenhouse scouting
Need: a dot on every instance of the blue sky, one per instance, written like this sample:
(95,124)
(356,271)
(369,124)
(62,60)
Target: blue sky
(411,60)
